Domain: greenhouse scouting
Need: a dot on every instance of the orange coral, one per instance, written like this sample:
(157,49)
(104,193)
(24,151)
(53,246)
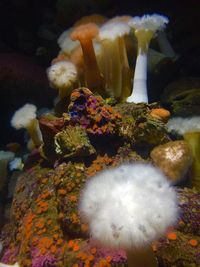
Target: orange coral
(172,236)
(160,113)
(193,242)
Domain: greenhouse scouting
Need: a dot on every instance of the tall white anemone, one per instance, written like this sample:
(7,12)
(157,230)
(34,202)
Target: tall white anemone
(145,28)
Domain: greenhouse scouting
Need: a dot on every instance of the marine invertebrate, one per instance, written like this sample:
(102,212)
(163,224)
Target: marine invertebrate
(145,28)
(189,128)
(63,76)
(126,192)
(115,60)
(84,34)
(25,117)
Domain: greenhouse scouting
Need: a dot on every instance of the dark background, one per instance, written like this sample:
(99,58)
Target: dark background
(28,34)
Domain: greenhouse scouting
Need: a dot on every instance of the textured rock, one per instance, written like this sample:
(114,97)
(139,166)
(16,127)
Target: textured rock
(182,97)
(173,158)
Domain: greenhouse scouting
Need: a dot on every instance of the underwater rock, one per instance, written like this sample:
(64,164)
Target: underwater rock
(189,201)
(92,113)
(182,97)
(174,158)
(73,142)
(182,245)
(140,126)
(49,126)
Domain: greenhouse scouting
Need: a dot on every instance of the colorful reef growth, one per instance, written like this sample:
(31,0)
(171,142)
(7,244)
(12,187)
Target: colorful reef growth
(106,182)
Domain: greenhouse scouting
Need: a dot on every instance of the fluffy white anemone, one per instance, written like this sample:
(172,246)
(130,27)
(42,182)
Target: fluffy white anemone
(152,22)
(65,42)
(62,75)
(128,206)
(113,30)
(189,128)
(182,125)
(145,28)
(25,117)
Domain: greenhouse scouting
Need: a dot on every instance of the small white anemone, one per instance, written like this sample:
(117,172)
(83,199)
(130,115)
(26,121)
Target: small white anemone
(182,125)
(113,30)
(25,117)
(62,75)
(189,128)
(65,42)
(154,22)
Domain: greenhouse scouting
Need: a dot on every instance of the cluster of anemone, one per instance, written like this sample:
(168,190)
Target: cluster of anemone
(95,53)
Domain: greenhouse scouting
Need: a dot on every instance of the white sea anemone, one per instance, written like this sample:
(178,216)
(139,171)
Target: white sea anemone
(182,125)
(62,75)
(145,28)
(129,206)
(189,128)
(25,117)
(65,42)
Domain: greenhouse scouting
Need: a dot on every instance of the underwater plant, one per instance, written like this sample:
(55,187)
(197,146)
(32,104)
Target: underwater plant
(128,207)
(145,28)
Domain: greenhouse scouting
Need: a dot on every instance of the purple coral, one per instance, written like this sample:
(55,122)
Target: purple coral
(90,112)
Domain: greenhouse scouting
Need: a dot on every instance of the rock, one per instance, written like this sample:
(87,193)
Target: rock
(173,158)
(73,142)
(182,97)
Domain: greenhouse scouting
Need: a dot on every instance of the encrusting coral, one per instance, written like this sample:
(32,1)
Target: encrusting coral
(95,133)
